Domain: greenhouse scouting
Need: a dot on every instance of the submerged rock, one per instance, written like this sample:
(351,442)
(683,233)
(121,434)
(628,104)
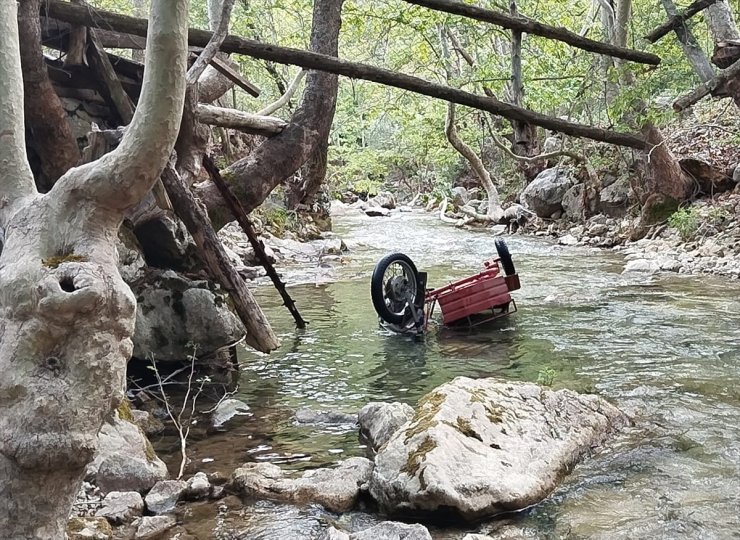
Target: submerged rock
(152,527)
(379,421)
(309,416)
(228,409)
(387,530)
(477,448)
(125,459)
(337,489)
(163,497)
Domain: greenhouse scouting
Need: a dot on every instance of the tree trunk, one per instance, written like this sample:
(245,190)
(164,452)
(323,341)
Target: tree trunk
(691,48)
(67,317)
(254,177)
(53,140)
(721,21)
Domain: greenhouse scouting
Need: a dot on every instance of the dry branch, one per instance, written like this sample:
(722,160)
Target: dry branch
(309,60)
(257,245)
(710,87)
(529,26)
(677,20)
(287,95)
(254,124)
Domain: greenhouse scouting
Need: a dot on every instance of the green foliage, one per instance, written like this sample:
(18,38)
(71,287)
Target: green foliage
(685,222)
(546,376)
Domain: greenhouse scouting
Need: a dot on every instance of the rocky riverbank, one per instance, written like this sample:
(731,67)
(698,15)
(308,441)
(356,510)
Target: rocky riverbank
(471,450)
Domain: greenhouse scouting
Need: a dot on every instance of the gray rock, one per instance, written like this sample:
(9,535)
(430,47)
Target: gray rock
(228,409)
(482,447)
(573,202)
(392,530)
(460,196)
(150,424)
(175,316)
(310,416)
(163,497)
(121,507)
(598,229)
(544,195)
(152,527)
(568,240)
(124,460)
(337,489)
(405,209)
(614,199)
(379,421)
(199,487)
(498,230)
(384,199)
(641,266)
(335,534)
(377,212)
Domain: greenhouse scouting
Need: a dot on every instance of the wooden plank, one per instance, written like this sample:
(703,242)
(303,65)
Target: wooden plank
(226,70)
(112,86)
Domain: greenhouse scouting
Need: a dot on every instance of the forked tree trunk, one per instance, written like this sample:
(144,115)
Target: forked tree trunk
(66,316)
(254,177)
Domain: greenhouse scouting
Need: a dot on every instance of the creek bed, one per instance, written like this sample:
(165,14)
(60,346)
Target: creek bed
(666,349)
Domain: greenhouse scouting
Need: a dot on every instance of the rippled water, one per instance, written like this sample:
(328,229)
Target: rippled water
(665,349)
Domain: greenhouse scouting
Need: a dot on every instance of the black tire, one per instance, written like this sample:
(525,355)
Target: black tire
(503,253)
(376,286)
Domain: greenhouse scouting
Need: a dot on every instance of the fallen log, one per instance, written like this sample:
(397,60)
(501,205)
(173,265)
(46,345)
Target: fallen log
(530,26)
(254,124)
(284,55)
(709,87)
(678,20)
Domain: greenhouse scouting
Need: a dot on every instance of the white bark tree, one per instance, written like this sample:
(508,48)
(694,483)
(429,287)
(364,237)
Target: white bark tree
(721,21)
(66,316)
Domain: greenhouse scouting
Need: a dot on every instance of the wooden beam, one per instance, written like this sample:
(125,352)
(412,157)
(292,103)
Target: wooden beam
(112,86)
(266,126)
(309,60)
(530,26)
(227,71)
(677,20)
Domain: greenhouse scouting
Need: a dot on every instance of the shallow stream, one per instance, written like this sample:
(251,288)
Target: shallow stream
(665,349)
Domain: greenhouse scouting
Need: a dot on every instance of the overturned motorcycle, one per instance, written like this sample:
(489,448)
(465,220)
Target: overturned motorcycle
(405,304)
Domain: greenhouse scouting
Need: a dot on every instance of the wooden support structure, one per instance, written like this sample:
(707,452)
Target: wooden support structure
(254,124)
(257,245)
(224,69)
(259,333)
(678,20)
(530,26)
(309,60)
(111,85)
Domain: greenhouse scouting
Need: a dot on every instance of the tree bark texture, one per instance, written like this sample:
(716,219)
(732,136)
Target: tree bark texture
(254,177)
(66,316)
(691,48)
(53,140)
(311,60)
(721,21)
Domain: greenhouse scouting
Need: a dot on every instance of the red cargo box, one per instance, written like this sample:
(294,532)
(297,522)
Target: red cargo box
(472,295)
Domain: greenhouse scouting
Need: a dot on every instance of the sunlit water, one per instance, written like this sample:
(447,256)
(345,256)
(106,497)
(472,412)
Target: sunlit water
(665,349)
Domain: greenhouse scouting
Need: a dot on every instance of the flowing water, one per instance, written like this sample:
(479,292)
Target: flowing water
(665,349)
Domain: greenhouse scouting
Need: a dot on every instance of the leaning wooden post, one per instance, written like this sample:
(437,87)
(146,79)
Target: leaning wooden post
(259,248)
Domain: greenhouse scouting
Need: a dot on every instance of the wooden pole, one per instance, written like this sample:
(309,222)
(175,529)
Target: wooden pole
(257,245)
(309,60)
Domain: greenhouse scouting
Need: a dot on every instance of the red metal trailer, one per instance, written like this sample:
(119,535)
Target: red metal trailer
(396,290)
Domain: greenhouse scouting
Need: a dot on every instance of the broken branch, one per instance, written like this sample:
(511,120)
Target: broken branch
(677,20)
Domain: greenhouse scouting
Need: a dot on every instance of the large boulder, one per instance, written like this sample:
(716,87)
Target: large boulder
(379,421)
(614,199)
(124,460)
(478,448)
(573,203)
(337,489)
(176,317)
(121,507)
(544,195)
